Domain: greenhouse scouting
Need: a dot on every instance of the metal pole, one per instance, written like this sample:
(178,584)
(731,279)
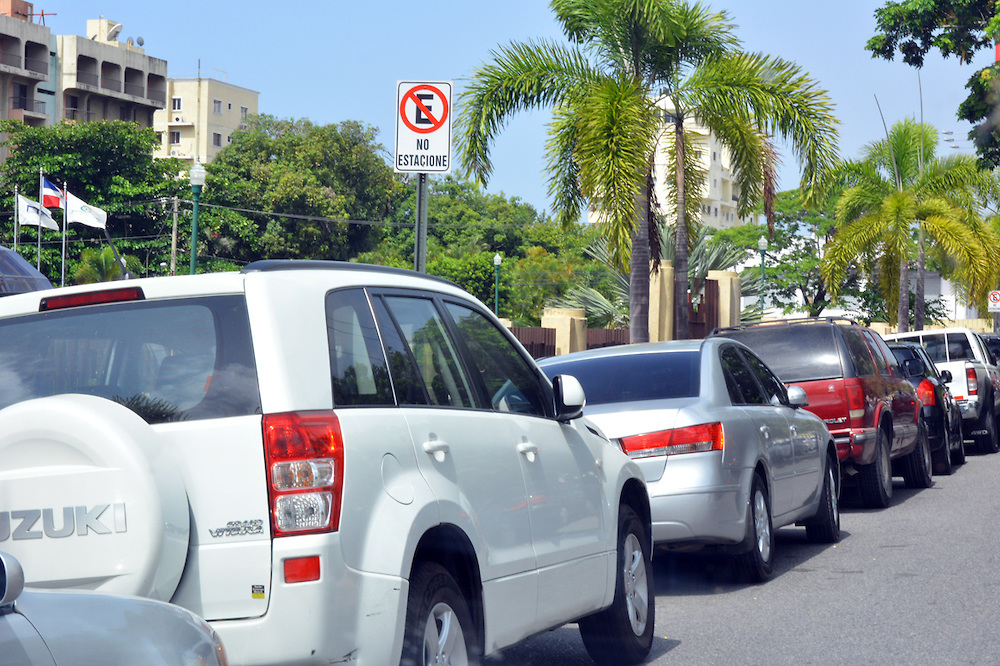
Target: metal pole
(195,193)
(420,231)
(496,289)
(173,243)
(763,253)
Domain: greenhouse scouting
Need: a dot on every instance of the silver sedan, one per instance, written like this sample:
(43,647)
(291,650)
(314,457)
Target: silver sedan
(728,454)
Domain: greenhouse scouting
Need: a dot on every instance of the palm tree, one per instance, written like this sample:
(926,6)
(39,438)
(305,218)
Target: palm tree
(634,67)
(899,190)
(101,266)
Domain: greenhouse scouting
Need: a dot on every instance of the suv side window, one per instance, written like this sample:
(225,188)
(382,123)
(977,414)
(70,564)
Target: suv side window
(510,384)
(883,365)
(858,351)
(772,385)
(357,366)
(743,390)
(427,339)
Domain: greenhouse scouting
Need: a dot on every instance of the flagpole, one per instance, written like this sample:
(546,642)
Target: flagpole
(16,207)
(63,283)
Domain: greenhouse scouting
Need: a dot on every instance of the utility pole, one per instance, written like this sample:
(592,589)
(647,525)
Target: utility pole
(173,242)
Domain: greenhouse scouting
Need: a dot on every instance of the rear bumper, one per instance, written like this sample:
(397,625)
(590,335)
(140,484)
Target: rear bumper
(347,616)
(934,420)
(856,446)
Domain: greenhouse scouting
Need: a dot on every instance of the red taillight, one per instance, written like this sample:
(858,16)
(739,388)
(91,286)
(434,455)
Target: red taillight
(855,398)
(302,569)
(692,439)
(970,379)
(91,298)
(304,452)
(925,392)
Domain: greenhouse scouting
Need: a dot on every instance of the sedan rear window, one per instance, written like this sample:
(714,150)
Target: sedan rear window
(174,360)
(633,377)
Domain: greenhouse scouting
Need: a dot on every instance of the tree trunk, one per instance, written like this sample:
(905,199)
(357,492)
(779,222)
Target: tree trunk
(682,328)
(903,313)
(638,283)
(919,309)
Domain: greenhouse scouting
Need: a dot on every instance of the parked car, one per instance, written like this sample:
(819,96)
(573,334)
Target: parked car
(17,275)
(728,454)
(329,462)
(46,628)
(855,385)
(975,379)
(941,413)
(992,341)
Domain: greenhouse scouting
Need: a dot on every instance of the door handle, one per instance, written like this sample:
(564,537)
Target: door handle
(438,448)
(764,430)
(528,450)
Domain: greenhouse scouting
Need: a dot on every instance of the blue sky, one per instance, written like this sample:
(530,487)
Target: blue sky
(333,60)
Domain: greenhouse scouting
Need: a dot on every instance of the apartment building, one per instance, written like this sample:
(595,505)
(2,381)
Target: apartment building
(48,78)
(202,115)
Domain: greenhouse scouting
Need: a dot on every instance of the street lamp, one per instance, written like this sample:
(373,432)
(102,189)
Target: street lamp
(762,246)
(197,175)
(496,284)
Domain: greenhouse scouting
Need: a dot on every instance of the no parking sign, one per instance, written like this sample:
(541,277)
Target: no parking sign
(994,301)
(423,127)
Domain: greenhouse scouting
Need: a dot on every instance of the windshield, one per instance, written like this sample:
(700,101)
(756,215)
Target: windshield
(630,377)
(166,360)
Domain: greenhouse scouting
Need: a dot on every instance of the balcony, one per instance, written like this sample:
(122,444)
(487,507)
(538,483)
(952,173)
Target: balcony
(27,104)
(10,59)
(135,89)
(87,78)
(78,114)
(36,65)
(111,83)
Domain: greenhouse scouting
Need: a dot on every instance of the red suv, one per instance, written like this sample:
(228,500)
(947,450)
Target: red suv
(857,387)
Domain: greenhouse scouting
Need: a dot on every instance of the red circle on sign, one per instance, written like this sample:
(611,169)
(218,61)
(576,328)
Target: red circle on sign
(410,96)
(995,297)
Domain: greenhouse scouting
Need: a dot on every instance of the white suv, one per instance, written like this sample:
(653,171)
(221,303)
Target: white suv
(329,462)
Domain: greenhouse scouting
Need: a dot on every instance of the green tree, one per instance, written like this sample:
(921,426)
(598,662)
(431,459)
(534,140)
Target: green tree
(101,266)
(898,195)
(956,28)
(107,164)
(606,87)
(299,176)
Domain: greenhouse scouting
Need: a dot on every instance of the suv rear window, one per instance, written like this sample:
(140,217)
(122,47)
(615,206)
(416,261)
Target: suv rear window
(173,360)
(780,347)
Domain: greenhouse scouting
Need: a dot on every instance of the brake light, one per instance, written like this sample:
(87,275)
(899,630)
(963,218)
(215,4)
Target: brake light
(925,392)
(692,439)
(304,452)
(855,398)
(970,380)
(118,295)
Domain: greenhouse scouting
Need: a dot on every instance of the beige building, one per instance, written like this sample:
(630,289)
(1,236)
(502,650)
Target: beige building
(201,116)
(46,78)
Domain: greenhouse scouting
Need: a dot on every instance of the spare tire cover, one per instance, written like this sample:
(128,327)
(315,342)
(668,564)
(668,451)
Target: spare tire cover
(89,499)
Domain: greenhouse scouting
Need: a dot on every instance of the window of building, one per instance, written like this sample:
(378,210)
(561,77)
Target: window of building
(159,138)
(124,113)
(175,137)
(216,139)
(216,106)
(229,106)
(244,111)
(175,104)
(713,155)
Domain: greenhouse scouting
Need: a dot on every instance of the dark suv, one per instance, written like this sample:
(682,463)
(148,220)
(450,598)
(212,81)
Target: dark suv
(857,387)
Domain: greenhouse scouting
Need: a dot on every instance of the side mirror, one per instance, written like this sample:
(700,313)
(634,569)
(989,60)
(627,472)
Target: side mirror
(797,396)
(946,376)
(11,579)
(569,397)
(914,367)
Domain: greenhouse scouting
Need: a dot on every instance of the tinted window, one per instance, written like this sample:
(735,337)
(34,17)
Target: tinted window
(403,370)
(743,389)
(959,348)
(858,352)
(357,366)
(510,383)
(795,353)
(629,377)
(432,350)
(876,351)
(181,359)
(771,384)
(936,346)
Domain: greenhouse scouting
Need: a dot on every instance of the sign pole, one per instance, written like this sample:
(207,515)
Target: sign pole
(420,232)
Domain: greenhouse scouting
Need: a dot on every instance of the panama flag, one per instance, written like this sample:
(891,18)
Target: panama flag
(52,196)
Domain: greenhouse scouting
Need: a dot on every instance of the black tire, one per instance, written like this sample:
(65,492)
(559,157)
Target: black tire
(987,443)
(622,633)
(875,480)
(435,603)
(958,453)
(942,458)
(826,528)
(917,466)
(757,563)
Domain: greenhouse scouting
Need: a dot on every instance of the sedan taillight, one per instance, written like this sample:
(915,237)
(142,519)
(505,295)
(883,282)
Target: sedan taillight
(304,453)
(691,439)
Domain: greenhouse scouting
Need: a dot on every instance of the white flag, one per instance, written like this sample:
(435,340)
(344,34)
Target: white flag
(30,213)
(79,212)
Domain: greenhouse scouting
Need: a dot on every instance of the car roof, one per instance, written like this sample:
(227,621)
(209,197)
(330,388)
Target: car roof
(622,350)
